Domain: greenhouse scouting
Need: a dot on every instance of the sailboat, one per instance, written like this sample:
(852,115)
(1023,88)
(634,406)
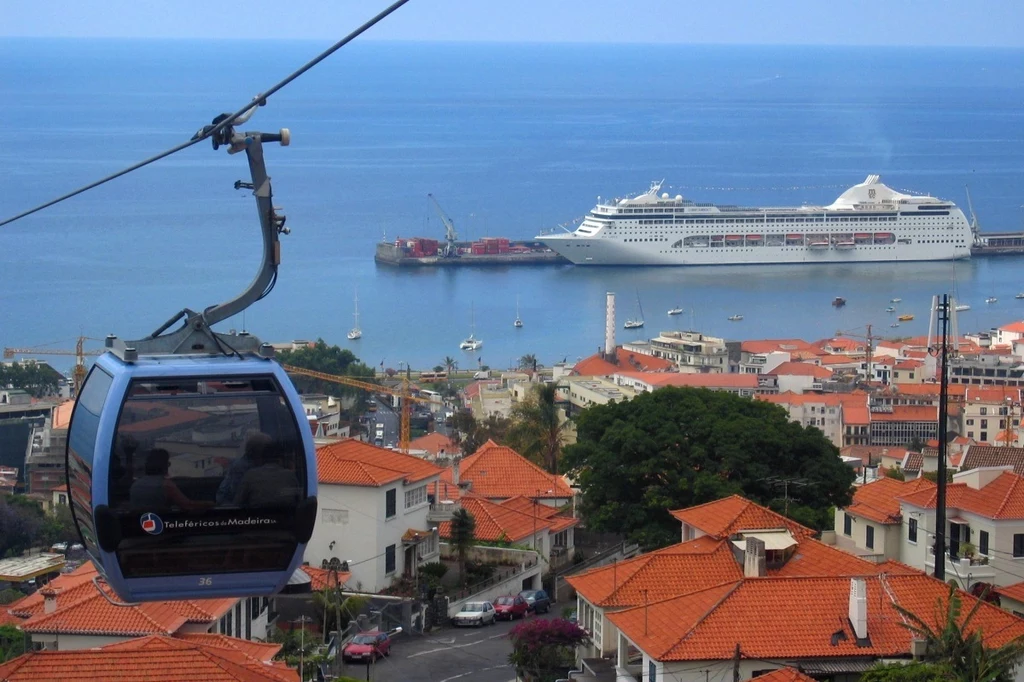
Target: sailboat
(636,322)
(356,332)
(471,342)
(518,323)
(675,311)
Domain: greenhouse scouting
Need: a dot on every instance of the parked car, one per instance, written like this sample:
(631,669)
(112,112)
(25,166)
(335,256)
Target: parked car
(538,600)
(474,613)
(510,606)
(367,646)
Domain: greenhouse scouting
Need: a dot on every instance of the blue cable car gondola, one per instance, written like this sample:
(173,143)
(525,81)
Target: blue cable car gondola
(191,464)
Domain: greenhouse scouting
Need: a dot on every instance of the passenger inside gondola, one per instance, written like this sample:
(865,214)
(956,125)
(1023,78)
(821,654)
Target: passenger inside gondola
(267,483)
(155,491)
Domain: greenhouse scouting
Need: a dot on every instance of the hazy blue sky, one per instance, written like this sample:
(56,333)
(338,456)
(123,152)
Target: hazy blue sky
(846,22)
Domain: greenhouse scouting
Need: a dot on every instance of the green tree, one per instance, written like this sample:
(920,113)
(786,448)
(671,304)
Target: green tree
(59,526)
(915,671)
(957,645)
(537,430)
(38,378)
(528,361)
(463,530)
(896,473)
(9,596)
(327,359)
(21,520)
(678,447)
(12,642)
(543,650)
(335,610)
(473,433)
(298,646)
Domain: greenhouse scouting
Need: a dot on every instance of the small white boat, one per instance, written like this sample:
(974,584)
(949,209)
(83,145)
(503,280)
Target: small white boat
(675,311)
(735,318)
(636,322)
(471,342)
(1020,295)
(895,300)
(518,323)
(991,299)
(960,307)
(355,332)
(890,309)
(895,324)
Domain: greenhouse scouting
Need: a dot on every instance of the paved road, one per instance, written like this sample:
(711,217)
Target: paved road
(386,416)
(447,655)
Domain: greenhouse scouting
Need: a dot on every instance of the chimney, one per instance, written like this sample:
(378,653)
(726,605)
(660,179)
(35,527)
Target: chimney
(859,608)
(455,472)
(49,599)
(754,559)
(609,324)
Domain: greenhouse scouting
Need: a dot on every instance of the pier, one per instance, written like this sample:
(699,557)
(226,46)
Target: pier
(998,244)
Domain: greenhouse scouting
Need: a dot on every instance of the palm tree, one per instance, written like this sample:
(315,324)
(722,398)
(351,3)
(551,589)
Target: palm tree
(528,361)
(962,648)
(463,533)
(537,429)
(450,364)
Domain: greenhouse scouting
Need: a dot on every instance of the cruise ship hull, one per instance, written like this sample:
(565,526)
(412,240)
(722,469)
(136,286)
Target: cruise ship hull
(607,252)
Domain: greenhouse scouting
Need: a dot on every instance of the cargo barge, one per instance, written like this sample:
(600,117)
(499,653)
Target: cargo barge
(420,251)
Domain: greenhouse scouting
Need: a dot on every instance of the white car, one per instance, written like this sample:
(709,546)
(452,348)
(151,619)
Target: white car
(474,613)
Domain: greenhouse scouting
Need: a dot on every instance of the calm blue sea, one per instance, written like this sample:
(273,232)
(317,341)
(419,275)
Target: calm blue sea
(512,140)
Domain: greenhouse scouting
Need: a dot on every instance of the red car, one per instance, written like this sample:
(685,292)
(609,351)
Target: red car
(367,646)
(510,607)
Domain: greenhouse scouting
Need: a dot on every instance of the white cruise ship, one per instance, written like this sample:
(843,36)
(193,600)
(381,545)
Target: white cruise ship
(868,222)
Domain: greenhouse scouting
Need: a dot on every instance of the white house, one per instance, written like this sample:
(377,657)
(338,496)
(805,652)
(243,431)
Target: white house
(373,506)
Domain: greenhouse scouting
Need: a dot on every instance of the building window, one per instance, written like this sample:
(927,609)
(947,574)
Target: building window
(912,530)
(847,524)
(1018,545)
(389,559)
(652,671)
(415,497)
(391,503)
(983,542)
(869,537)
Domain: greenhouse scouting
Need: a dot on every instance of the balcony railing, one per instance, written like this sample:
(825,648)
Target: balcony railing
(442,511)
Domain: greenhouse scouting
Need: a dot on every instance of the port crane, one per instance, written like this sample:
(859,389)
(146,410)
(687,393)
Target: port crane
(402,393)
(450,236)
(78,374)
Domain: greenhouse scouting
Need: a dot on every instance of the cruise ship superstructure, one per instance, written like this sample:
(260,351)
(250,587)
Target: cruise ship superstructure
(868,222)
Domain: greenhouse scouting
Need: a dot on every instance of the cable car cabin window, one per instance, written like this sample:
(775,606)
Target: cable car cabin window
(206,477)
(81,449)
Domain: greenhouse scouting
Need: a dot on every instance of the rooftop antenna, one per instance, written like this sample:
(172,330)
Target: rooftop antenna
(942,307)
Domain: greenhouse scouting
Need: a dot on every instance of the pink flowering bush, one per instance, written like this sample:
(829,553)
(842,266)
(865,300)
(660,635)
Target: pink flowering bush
(542,650)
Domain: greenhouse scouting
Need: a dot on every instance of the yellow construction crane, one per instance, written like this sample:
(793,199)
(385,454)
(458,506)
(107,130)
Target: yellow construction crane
(78,375)
(403,395)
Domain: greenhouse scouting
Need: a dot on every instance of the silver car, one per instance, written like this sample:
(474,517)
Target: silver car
(474,613)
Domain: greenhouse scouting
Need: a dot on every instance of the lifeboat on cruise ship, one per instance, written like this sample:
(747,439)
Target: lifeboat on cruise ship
(862,238)
(845,245)
(820,244)
(794,239)
(884,238)
(733,239)
(754,237)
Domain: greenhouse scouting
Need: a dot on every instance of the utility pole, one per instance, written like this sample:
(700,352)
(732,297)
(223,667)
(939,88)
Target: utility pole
(943,308)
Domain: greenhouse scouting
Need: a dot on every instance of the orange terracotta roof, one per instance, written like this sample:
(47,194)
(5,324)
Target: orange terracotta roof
(95,615)
(733,514)
(814,558)
(353,462)
(843,344)
(434,443)
(668,572)
(840,360)
(595,365)
(805,369)
(322,579)
(1014,591)
(495,523)
(771,345)
(856,415)
(879,500)
(786,674)
(499,472)
(998,395)
(70,587)
(444,489)
(928,389)
(150,658)
(791,398)
(62,415)
(908,413)
(656,380)
(261,651)
(1015,327)
(1003,498)
(909,364)
(554,515)
(786,618)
